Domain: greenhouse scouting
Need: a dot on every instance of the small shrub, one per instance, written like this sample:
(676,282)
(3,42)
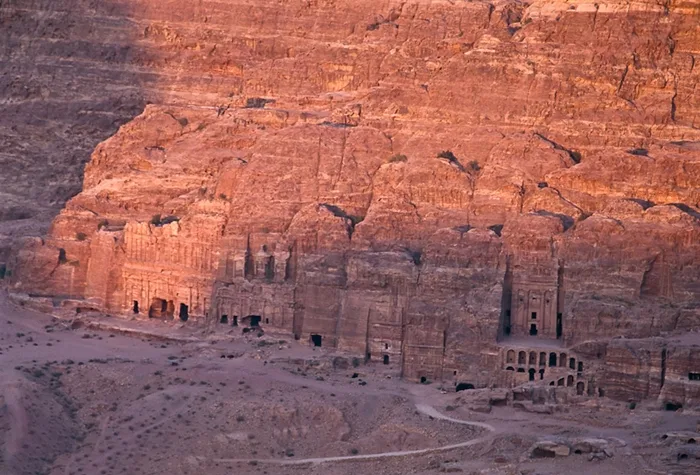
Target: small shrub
(448,155)
(81,236)
(398,158)
(257,102)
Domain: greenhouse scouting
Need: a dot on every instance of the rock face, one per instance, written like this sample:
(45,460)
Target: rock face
(430,184)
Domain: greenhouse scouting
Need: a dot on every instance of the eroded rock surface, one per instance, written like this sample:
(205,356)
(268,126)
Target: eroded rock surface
(431,184)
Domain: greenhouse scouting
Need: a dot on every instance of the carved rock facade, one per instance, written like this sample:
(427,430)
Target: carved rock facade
(428,184)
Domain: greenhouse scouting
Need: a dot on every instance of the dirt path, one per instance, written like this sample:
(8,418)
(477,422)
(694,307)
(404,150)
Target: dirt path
(423,408)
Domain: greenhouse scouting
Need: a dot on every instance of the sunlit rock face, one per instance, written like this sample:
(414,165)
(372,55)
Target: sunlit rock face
(428,184)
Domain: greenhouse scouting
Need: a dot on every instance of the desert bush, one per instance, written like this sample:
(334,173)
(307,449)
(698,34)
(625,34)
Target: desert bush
(398,158)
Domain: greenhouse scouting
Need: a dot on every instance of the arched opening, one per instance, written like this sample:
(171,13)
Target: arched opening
(136,306)
(316,340)
(423,379)
(560,382)
(580,367)
(543,359)
(552,383)
(562,360)
(386,359)
(464,386)
(531,374)
(521,357)
(521,370)
(552,360)
(569,380)
(161,308)
(510,356)
(533,358)
(572,363)
(672,406)
(692,441)
(224,319)
(682,456)
(510,368)
(601,392)
(580,388)
(541,374)
(184,312)
(235,321)
(533,329)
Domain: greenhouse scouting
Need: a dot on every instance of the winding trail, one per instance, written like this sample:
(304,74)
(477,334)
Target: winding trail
(424,408)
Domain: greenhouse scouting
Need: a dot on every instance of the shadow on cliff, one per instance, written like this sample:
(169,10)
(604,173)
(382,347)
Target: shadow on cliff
(67,82)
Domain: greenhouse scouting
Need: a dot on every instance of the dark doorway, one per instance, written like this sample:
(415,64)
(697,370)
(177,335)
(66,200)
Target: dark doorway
(534,315)
(580,367)
(559,325)
(235,321)
(569,380)
(533,329)
(541,374)
(423,379)
(464,386)
(552,360)
(184,312)
(580,388)
(136,306)
(224,319)
(672,406)
(521,370)
(510,368)
(267,320)
(531,372)
(161,308)
(316,340)
(572,363)
(386,359)
(252,320)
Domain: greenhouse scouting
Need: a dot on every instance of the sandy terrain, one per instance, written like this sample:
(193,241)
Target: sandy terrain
(77,400)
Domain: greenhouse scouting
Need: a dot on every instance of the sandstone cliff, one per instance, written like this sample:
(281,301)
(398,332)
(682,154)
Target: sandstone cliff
(422,181)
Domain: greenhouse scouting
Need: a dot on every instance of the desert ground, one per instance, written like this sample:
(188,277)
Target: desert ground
(103,395)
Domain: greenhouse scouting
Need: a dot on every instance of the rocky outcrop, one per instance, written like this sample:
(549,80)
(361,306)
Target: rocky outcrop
(415,182)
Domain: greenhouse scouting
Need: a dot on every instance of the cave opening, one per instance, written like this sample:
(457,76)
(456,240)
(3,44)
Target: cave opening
(161,308)
(672,406)
(386,359)
(580,387)
(184,312)
(541,374)
(316,340)
(533,330)
(552,360)
(252,320)
(464,387)
(224,319)
(235,321)
(136,306)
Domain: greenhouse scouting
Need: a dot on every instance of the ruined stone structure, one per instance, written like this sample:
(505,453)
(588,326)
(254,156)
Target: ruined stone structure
(441,186)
